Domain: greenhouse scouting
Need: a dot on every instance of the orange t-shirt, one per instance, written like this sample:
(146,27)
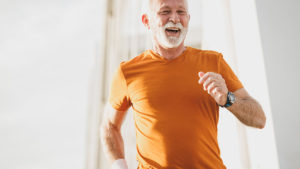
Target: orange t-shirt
(175,119)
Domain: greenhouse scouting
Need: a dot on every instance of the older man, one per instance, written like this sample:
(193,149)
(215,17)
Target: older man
(175,92)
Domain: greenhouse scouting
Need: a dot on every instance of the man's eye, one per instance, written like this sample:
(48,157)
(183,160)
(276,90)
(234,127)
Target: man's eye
(181,12)
(165,12)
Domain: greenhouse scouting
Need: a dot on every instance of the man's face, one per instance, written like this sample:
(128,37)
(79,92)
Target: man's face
(168,22)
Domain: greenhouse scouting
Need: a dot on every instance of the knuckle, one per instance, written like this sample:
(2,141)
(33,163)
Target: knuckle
(209,73)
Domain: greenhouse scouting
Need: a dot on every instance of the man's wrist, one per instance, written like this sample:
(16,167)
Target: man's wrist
(230,100)
(119,164)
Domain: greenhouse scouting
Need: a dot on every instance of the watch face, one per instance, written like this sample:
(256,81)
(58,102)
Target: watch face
(231,97)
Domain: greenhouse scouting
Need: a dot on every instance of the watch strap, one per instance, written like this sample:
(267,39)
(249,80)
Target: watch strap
(229,100)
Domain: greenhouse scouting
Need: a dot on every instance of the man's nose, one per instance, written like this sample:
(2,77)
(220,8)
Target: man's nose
(174,18)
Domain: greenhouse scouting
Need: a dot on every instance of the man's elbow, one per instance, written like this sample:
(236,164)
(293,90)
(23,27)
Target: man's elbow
(103,133)
(261,126)
(262,121)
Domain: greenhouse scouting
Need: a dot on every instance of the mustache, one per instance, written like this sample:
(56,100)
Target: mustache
(171,24)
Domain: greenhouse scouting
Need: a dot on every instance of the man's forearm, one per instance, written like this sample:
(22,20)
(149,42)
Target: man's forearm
(112,143)
(249,112)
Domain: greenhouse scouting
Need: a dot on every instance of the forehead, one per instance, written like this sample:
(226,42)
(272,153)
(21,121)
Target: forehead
(158,4)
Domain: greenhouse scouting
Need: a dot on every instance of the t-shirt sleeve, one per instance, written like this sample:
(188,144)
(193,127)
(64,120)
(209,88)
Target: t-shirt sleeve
(232,81)
(118,96)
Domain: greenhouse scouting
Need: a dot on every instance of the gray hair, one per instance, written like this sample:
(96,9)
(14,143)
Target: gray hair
(147,5)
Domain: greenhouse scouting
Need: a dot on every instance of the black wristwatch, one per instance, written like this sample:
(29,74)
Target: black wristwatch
(230,99)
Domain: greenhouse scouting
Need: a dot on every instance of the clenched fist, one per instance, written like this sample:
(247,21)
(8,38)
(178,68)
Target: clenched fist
(215,86)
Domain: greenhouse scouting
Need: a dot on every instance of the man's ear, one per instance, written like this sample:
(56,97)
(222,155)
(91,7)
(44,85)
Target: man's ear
(145,20)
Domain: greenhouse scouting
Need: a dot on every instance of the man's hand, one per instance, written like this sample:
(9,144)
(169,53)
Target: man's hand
(215,86)
(245,108)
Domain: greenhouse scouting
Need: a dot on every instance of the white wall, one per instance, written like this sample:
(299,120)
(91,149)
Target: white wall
(280,32)
(47,50)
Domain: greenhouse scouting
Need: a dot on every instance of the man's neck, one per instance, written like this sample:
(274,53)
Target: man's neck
(169,53)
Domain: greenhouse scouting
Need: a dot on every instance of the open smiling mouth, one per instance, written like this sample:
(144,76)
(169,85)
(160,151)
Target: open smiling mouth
(173,30)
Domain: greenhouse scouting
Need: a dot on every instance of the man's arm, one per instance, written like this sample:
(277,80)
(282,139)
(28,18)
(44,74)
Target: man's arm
(111,138)
(245,108)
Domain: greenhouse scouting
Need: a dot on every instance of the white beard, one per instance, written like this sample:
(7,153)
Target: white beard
(169,41)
